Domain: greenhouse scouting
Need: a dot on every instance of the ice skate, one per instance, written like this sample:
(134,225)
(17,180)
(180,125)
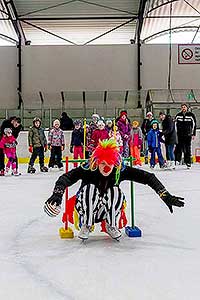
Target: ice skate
(31,170)
(84,232)
(44,169)
(188,166)
(113,232)
(2,173)
(15,172)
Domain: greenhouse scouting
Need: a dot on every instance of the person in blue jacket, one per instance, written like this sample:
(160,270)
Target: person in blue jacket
(154,139)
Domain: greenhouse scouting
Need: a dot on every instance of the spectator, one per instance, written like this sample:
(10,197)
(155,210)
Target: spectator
(92,127)
(15,124)
(186,131)
(66,122)
(98,134)
(56,144)
(146,126)
(135,142)
(77,141)
(124,129)
(169,132)
(115,135)
(154,146)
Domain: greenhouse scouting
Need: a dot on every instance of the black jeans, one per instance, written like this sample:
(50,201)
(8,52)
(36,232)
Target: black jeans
(2,157)
(37,151)
(184,145)
(56,157)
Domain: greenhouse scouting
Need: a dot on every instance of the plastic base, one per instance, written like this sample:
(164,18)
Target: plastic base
(66,233)
(133,231)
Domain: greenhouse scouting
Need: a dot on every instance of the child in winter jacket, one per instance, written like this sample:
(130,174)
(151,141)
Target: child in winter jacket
(154,146)
(124,129)
(37,145)
(115,135)
(8,144)
(77,141)
(99,134)
(135,142)
(56,145)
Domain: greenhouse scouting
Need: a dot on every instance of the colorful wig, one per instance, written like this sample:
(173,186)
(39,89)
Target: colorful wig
(108,151)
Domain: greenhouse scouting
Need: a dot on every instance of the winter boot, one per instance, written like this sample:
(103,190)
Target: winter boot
(31,169)
(113,232)
(1,172)
(84,232)
(43,169)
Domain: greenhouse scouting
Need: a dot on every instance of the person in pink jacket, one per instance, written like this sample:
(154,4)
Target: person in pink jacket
(135,142)
(8,144)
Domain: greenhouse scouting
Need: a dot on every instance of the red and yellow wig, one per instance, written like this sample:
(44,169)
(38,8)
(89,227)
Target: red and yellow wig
(108,151)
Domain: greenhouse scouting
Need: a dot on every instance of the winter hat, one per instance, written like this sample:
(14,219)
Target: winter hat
(109,121)
(56,122)
(100,123)
(77,122)
(154,122)
(135,123)
(7,130)
(123,113)
(149,113)
(95,116)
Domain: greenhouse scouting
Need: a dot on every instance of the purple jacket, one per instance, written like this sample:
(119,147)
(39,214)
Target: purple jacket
(124,128)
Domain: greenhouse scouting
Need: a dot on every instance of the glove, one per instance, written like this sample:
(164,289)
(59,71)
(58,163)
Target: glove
(150,149)
(171,200)
(30,149)
(52,206)
(45,148)
(71,149)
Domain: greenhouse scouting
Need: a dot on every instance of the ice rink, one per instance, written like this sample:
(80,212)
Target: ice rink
(162,265)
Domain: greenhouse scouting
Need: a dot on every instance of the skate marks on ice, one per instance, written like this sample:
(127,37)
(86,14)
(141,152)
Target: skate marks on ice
(32,259)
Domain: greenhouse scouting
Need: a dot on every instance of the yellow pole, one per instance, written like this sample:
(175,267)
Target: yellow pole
(114,123)
(84,137)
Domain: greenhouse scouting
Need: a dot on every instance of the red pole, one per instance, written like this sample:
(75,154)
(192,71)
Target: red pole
(66,196)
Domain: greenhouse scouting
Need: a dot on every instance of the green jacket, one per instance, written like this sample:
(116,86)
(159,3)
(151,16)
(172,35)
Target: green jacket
(36,137)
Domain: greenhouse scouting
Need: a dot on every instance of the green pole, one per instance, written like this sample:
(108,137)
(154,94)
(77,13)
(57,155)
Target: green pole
(132,198)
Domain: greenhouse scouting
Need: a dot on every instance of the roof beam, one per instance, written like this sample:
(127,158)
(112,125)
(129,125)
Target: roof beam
(121,25)
(49,32)
(46,8)
(13,16)
(123,17)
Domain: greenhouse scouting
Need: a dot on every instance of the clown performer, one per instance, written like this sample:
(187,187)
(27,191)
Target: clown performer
(99,196)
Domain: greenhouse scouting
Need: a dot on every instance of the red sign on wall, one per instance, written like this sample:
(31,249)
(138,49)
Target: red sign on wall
(189,53)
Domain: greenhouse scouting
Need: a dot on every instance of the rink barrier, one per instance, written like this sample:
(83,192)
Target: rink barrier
(66,232)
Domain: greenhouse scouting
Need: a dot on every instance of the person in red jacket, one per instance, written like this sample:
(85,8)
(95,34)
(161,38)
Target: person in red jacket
(98,134)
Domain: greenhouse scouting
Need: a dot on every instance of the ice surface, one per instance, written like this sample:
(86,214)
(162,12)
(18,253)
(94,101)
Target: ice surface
(162,265)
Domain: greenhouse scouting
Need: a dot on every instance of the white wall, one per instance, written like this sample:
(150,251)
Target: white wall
(8,77)
(78,68)
(51,69)
(154,75)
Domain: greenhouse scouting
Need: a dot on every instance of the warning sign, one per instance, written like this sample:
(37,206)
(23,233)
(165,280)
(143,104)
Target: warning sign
(189,54)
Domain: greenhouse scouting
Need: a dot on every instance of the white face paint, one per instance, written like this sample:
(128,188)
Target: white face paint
(105,169)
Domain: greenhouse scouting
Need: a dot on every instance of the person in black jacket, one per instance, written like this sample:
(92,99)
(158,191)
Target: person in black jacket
(66,123)
(186,130)
(169,132)
(15,124)
(77,141)
(99,196)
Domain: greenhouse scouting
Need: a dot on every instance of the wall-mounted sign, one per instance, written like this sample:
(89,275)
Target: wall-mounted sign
(189,53)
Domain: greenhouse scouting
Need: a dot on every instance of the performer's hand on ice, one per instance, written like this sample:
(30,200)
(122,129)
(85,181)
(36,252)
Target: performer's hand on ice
(171,200)
(52,206)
